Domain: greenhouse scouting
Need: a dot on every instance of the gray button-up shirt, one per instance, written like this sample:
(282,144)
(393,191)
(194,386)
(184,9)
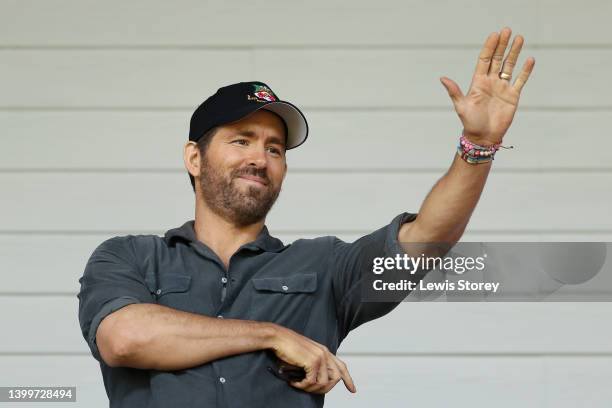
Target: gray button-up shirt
(311,286)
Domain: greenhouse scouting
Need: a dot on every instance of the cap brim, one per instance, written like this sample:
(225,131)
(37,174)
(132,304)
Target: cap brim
(297,127)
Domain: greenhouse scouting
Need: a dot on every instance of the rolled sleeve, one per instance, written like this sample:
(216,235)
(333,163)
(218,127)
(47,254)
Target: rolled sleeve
(111,280)
(348,261)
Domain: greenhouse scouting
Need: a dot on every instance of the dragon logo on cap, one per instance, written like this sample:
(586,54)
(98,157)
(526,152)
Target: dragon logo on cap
(262,94)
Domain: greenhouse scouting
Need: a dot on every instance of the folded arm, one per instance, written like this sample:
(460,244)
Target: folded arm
(150,336)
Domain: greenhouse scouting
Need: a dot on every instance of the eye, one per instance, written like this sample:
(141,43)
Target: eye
(275,151)
(242,142)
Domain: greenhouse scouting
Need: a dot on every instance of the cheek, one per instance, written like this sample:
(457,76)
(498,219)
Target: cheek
(225,155)
(225,162)
(276,172)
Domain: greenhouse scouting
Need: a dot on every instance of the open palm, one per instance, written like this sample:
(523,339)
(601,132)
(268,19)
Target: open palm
(488,108)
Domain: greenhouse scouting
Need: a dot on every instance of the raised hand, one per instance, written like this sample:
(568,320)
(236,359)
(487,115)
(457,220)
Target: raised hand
(488,108)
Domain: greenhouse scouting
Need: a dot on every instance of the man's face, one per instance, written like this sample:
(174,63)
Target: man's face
(244,166)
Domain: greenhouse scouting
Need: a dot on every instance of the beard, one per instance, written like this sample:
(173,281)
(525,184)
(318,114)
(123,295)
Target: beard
(240,206)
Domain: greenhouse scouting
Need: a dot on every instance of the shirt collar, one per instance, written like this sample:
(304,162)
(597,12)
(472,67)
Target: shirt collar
(186,232)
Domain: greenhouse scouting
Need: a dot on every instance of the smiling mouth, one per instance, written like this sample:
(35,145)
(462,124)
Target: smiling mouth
(254,179)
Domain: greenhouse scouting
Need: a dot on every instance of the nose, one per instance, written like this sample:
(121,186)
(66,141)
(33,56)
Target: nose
(257,157)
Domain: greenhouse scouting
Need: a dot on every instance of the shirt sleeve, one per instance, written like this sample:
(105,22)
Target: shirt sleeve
(350,261)
(111,281)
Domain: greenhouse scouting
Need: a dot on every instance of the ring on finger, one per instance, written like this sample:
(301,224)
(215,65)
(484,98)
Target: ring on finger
(505,76)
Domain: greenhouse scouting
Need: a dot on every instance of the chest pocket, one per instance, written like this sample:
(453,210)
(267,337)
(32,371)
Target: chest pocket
(173,291)
(284,300)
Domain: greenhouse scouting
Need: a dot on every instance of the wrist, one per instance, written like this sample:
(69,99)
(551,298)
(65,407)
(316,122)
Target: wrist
(482,140)
(474,153)
(270,335)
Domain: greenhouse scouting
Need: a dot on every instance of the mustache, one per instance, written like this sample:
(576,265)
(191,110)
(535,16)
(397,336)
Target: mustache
(252,171)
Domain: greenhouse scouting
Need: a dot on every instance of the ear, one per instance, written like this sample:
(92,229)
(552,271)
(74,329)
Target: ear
(191,158)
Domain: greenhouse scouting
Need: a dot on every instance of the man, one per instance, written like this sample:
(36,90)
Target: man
(207,315)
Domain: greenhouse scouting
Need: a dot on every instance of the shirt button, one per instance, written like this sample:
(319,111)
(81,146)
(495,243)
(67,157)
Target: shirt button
(224,279)
(285,288)
(219,317)
(158,291)
(222,380)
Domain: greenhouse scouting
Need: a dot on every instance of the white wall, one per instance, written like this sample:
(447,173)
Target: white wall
(95,103)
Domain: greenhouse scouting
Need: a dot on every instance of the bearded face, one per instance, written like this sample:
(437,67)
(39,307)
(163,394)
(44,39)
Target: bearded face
(243,167)
(243,195)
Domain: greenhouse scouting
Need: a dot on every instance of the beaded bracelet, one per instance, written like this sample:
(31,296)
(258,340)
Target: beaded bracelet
(475,154)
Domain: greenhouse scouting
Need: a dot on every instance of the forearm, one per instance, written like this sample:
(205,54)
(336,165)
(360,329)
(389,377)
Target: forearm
(162,338)
(446,210)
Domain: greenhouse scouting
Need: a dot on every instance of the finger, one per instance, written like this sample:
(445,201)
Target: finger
(498,55)
(484,59)
(346,377)
(521,80)
(323,375)
(334,377)
(453,89)
(311,376)
(315,378)
(513,55)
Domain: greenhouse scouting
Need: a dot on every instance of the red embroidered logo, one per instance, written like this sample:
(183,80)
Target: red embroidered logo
(262,94)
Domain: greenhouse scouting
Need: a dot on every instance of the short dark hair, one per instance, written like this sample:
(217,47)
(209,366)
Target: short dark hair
(203,143)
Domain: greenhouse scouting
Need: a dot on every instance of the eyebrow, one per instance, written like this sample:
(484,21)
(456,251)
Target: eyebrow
(250,133)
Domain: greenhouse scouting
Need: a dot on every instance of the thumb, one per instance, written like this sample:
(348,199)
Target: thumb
(453,89)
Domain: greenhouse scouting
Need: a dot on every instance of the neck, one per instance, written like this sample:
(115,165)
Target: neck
(221,235)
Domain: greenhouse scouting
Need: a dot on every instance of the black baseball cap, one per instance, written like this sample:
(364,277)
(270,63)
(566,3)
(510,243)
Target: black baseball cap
(236,101)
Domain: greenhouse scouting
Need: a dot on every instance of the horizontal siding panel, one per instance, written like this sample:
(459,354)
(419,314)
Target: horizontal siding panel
(326,201)
(61,257)
(441,382)
(56,267)
(354,78)
(192,23)
(482,382)
(119,78)
(377,140)
(578,381)
(413,328)
(106,139)
(388,22)
(327,78)
(574,23)
(512,327)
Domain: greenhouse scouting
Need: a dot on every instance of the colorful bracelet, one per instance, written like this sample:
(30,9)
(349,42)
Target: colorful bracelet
(476,154)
